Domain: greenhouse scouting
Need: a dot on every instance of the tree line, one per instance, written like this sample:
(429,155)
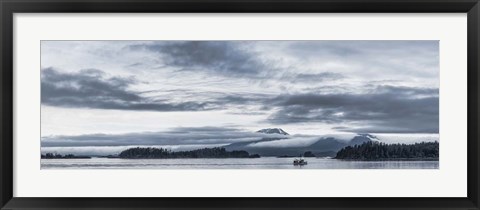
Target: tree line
(59,156)
(381,151)
(158,153)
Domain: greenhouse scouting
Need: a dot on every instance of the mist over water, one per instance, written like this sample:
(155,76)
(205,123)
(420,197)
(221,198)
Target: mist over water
(230,163)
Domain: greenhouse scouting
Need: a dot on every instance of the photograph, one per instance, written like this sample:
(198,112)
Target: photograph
(239,104)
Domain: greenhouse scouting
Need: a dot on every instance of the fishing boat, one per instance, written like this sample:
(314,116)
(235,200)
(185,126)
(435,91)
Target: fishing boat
(299,162)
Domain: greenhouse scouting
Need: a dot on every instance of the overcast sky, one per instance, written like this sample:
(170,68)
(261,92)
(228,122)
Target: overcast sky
(135,89)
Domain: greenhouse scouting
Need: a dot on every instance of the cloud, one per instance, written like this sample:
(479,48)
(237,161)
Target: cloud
(294,141)
(301,84)
(349,48)
(176,136)
(93,89)
(388,58)
(407,92)
(315,78)
(218,57)
(382,109)
(386,109)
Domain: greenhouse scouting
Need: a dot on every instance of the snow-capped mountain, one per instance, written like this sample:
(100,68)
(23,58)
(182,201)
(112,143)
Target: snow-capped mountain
(294,145)
(280,143)
(273,131)
(362,138)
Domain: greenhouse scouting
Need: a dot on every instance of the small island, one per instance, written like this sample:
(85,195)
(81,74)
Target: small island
(376,151)
(59,156)
(161,153)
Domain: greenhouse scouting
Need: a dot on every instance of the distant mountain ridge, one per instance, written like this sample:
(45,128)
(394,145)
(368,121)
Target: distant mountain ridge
(324,146)
(273,131)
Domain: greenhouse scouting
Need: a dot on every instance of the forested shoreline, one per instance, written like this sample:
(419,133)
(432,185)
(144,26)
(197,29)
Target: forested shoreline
(161,153)
(381,151)
(367,151)
(59,156)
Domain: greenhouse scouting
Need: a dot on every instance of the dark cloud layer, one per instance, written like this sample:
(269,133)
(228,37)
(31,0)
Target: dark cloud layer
(387,109)
(383,109)
(315,78)
(345,106)
(93,89)
(177,136)
(220,57)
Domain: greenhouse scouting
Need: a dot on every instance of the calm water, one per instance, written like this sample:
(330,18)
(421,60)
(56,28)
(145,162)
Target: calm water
(232,163)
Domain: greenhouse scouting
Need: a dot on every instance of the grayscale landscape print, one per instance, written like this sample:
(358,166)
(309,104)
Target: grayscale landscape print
(294,105)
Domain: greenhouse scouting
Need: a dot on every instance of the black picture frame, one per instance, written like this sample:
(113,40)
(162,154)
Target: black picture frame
(9,7)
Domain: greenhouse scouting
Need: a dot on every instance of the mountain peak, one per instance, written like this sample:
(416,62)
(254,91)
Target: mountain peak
(362,138)
(370,136)
(273,131)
